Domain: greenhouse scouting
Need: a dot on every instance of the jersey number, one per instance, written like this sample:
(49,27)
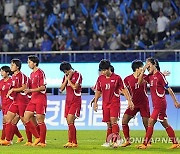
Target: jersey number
(107,86)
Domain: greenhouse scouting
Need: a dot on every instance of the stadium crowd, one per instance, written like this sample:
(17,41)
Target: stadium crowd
(42,25)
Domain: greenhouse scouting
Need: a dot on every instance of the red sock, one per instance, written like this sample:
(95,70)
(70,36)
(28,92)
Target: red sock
(3,135)
(126,131)
(8,131)
(109,131)
(32,129)
(42,127)
(171,134)
(146,128)
(16,131)
(115,130)
(28,134)
(69,133)
(148,135)
(72,132)
(38,128)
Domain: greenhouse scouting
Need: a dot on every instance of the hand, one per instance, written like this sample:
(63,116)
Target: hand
(166,73)
(95,107)
(131,105)
(70,75)
(0,107)
(9,92)
(145,67)
(92,101)
(177,104)
(26,91)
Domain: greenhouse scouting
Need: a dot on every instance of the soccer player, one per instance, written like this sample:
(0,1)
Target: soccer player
(72,83)
(19,83)
(5,85)
(109,85)
(139,98)
(38,103)
(158,86)
(109,127)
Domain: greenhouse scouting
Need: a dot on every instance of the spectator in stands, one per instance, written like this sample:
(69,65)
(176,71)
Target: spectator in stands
(151,26)
(8,8)
(125,42)
(22,10)
(22,41)
(8,36)
(46,43)
(162,23)
(94,43)
(156,6)
(82,41)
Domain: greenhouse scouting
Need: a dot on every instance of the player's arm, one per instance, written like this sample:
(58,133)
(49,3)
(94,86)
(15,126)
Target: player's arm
(140,78)
(97,96)
(41,88)
(74,86)
(128,97)
(92,101)
(20,89)
(176,103)
(63,85)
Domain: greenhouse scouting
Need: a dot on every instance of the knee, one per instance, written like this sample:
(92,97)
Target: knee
(151,122)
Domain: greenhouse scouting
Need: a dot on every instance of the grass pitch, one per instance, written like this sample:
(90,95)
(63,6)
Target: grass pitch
(90,143)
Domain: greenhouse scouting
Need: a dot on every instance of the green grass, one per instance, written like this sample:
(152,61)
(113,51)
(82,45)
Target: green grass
(89,143)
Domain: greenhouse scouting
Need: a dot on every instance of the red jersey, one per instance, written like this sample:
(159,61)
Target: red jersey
(158,85)
(5,86)
(137,92)
(110,87)
(18,80)
(72,94)
(38,79)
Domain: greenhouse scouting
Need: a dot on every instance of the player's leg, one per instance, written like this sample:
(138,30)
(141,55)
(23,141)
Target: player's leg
(3,135)
(34,121)
(108,133)
(169,129)
(43,129)
(171,134)
(151,122)
(72,129)
(9,128)
(128,115)
(29,113)
(125,127)
(16,130)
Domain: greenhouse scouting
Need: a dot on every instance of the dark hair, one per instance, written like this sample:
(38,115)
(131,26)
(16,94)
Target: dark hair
(136,64)
(7,69)
(112,68)
(17,62)
(154,62)
(104,64)
(34,59)
(65,66)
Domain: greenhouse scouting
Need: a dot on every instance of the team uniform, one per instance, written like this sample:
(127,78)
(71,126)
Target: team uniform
(158,85)
(139,97)
(73,97)
(38,105)
(21,99)
(110,87)
(38,101)
(5,86)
